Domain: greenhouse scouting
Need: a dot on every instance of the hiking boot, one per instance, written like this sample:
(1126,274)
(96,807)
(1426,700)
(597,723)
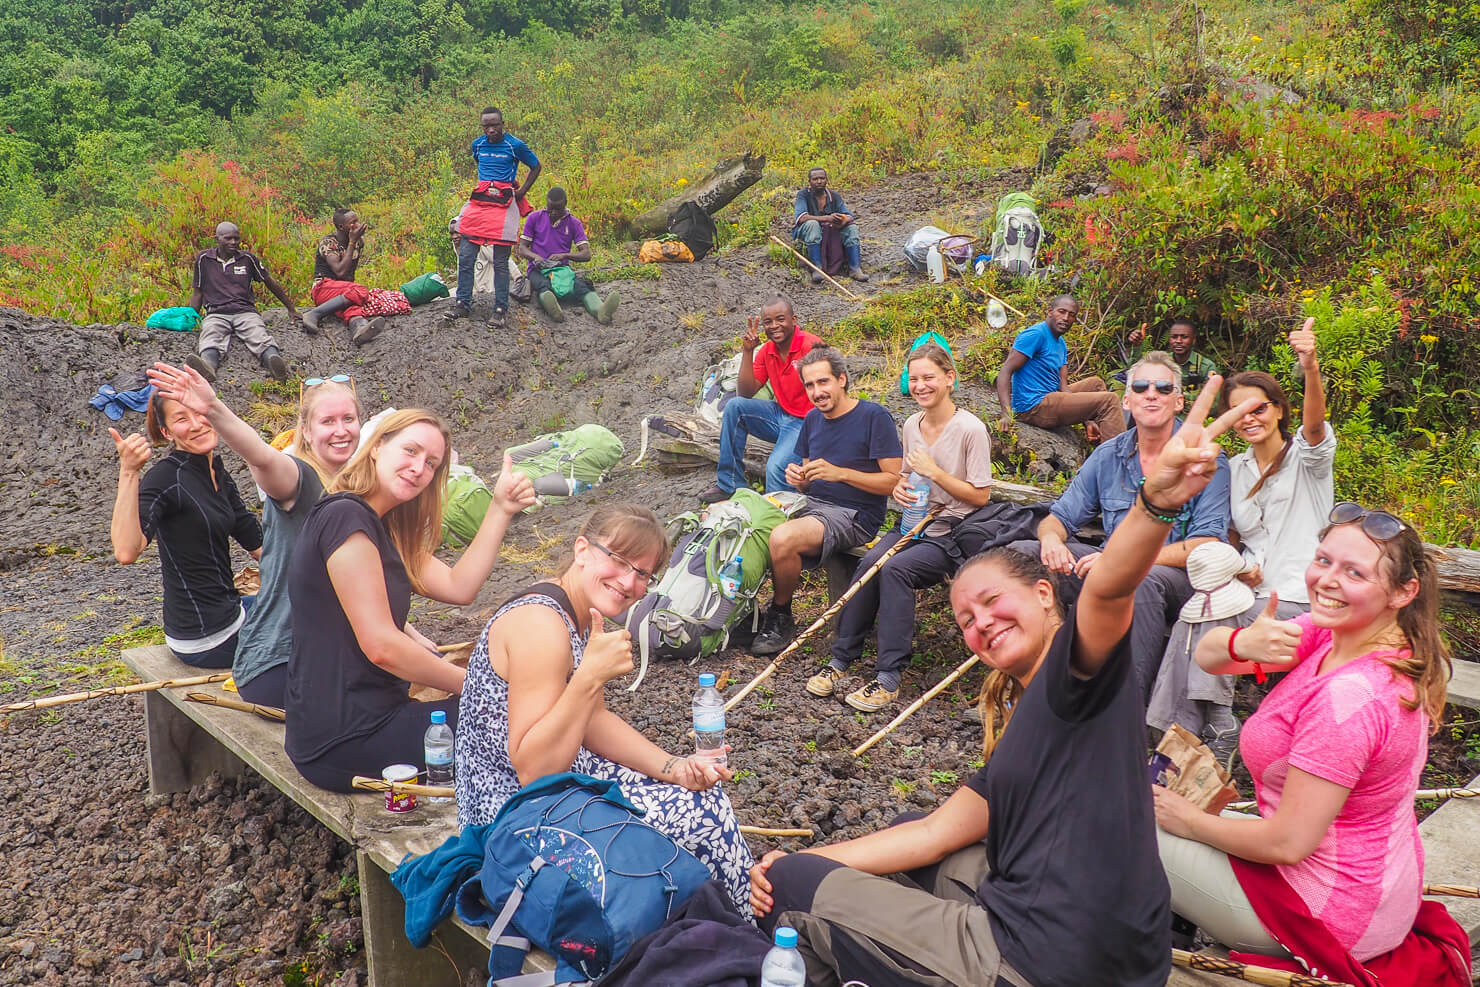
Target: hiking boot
(857,274)
(777,630)
(714,494)
(816,277)
(363,330)
(205,367)
(872,697)
(551,305)
(276,366)
(825,682)
(500,319)
(457,311)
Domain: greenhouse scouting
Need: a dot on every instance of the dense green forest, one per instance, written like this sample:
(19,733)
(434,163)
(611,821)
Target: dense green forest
(1244,162)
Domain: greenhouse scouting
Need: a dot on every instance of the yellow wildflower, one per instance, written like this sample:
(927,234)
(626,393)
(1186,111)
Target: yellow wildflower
(1428,339)
(1255,37)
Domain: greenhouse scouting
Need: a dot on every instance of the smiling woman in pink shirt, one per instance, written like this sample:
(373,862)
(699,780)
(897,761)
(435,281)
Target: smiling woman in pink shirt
(1335,750)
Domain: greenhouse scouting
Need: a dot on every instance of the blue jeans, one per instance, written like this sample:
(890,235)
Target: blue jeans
(810,233)
(467,258)
(765,420)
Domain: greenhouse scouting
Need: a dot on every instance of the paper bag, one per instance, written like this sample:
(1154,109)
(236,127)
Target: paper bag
(459,657)
(1183,764)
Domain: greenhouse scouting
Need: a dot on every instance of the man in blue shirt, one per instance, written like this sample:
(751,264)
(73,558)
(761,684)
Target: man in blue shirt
(493,213)
(821,215)
(1107,484)
(1033,384)
(850,458)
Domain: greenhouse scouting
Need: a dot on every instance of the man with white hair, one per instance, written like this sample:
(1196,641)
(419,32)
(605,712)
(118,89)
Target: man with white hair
(221,289)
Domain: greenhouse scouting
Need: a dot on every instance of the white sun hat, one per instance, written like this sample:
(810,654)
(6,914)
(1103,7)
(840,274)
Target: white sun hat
(1217,594)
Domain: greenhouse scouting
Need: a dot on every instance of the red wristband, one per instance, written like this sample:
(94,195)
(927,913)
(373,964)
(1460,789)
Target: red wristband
(1259,675)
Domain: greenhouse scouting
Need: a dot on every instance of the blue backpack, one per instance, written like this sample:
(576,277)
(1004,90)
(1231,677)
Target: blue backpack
(572,868)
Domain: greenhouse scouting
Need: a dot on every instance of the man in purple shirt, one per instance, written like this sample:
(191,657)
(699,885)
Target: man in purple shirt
(221,288)
(551,241)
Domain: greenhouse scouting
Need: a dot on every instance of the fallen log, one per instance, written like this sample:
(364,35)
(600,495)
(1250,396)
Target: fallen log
(713,192)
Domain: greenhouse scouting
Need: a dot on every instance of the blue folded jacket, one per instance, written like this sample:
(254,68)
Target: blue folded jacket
(429,883)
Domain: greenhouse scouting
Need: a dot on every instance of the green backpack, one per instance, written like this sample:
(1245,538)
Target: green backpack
(425,288)
(925,337)
(687,614)
(464,503)
(563,464)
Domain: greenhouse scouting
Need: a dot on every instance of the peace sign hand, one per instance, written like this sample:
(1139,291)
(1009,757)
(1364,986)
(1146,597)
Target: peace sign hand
(1189,460)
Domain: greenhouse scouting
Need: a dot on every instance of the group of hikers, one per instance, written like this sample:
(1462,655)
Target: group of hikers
(1057,862)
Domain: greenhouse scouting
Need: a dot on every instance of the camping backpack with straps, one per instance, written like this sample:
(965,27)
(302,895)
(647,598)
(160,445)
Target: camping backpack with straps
(687,615)
(720,386)
(1018,236)
(570,867)
(695,227)
(464,504)
(562,464)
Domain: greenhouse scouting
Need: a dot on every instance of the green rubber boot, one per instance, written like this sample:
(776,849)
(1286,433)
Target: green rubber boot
(551,305)
(602,310)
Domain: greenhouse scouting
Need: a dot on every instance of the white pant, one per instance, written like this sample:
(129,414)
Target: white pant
(1206,892)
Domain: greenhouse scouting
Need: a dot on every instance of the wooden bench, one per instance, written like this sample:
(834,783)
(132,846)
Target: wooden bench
(187,741)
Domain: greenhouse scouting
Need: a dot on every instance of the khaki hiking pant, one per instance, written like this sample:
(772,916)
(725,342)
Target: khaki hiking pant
(1085,401)
(923,928)
(1206,892)
(217,330)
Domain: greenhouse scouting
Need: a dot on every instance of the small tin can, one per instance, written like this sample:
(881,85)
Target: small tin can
(400,801)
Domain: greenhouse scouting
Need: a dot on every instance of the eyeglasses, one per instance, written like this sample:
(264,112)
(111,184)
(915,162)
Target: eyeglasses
(1163,387)
(1377,525)
(622,564)
(308,382)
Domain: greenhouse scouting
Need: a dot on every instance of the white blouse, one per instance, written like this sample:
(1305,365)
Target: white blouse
(1280,526)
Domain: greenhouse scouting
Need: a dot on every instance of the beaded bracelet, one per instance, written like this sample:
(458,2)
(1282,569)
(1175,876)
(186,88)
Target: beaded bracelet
(1155,513)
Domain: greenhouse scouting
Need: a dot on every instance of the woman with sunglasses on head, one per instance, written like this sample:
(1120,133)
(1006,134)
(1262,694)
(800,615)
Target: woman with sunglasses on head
(1280,491)
(532,705)
(1042,869)
(292,481)
(1331,870)
(362,551)
(190,505)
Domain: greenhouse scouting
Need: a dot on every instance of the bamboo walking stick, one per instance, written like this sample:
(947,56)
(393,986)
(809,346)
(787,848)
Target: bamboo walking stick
(1451,890)
(1250,974)
(827,614)
(815,268)
(438,791)
(117,690)
(209,699)
(1422,793)
(910,710)
(448,649)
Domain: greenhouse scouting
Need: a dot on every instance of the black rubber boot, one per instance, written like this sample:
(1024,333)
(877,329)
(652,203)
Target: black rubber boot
(312,316)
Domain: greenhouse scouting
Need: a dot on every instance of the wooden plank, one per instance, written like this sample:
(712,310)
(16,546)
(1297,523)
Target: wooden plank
(1464,687)
(1451,855)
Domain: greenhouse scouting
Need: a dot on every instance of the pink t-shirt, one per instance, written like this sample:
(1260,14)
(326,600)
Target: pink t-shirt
(1365,879)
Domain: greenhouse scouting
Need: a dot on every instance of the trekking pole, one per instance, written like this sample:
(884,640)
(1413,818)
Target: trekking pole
(117,690)
(1251,974)
(827,614)
(781,833)
(815,268)
(909,710)
(402,787)
(1451,890)
(1422,794)
(447,649)
(209,699)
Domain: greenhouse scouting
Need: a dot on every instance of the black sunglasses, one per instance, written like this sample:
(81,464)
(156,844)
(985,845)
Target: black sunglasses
(1377,525)
(1142,385)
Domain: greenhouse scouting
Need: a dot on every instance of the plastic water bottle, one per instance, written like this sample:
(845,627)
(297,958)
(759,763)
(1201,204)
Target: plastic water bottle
(783,965)
(439,743)
(732,577)
(709,722)
(996,314)
(576,486)
(915,513)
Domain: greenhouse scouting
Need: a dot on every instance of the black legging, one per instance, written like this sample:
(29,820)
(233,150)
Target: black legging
(398,741)
(267,688)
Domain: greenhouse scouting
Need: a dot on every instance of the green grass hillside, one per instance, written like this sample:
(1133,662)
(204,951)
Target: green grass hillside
(1244,162)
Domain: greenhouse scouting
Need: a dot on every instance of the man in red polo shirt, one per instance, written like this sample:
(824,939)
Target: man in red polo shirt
(778,421)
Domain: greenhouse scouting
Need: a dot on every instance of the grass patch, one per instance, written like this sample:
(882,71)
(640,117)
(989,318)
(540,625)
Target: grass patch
(544,552)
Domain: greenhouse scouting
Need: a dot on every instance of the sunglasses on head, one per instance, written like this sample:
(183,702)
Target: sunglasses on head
(308,382)
(1377,525)
(1163,387)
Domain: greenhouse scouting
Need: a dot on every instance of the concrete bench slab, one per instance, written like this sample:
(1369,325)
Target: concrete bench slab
(187,741)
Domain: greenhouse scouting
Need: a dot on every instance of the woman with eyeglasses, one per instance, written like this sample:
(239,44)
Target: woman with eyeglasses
(362,551)
(292,481)
(1332,865)
(189,504)
(1280,491)
(532,705)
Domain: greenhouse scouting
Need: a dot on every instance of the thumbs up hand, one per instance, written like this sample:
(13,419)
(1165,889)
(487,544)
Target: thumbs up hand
(133,451)
(608,654)
(513,492)
(1269,640)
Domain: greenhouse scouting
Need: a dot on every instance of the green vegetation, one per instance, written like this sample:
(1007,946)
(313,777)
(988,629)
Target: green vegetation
(1247,163)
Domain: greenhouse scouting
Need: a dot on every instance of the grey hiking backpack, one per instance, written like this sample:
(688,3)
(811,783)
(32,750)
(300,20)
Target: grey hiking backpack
(1018,236)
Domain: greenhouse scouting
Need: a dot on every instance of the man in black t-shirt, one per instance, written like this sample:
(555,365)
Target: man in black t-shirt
(850,460)
(221,288)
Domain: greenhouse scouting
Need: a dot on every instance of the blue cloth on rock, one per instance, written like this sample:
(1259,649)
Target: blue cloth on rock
(429,883)
(113,402)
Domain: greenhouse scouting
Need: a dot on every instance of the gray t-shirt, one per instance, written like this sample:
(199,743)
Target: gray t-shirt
(963,450)
(266,639)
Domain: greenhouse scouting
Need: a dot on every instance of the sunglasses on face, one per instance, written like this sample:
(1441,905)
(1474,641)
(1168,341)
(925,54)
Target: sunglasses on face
(1163,387)
(622,564)
(1377,525)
